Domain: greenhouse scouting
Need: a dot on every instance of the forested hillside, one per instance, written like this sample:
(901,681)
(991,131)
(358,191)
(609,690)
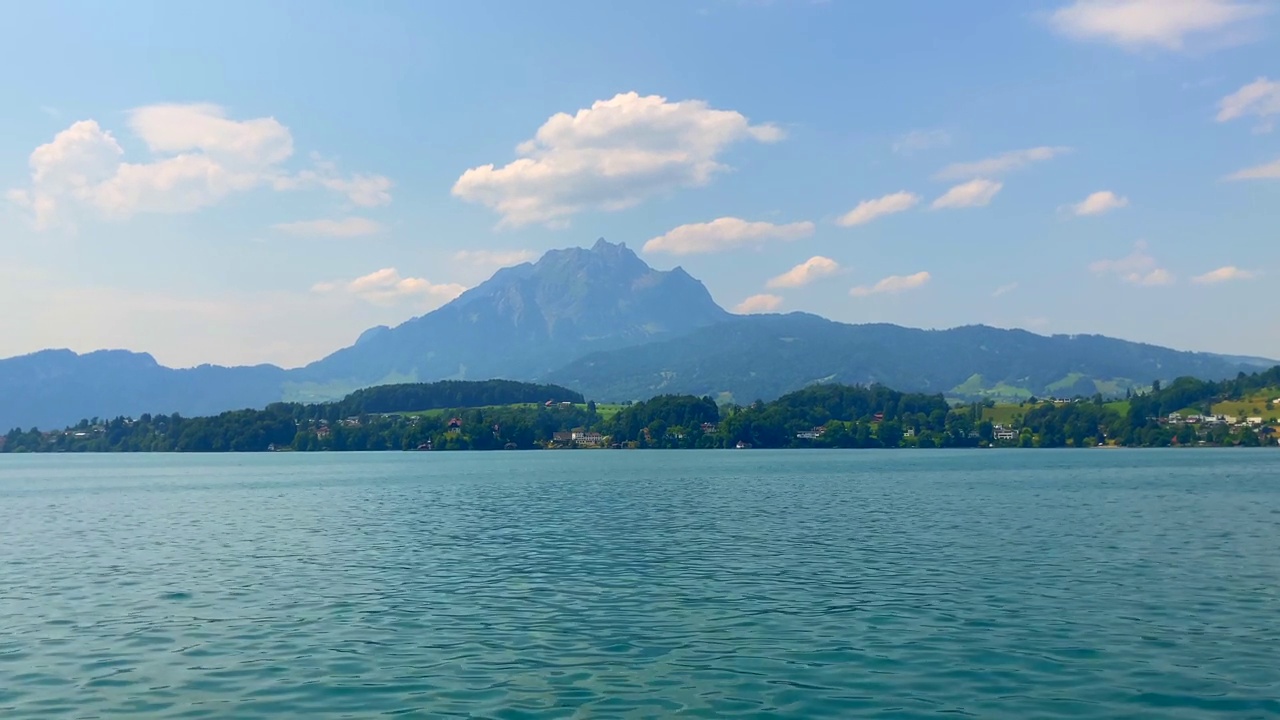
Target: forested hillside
(820,416)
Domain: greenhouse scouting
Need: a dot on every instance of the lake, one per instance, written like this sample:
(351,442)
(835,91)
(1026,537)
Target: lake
(802,584)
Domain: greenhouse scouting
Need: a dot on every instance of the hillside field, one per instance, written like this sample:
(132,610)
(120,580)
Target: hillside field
(1253,406)
(1011,413)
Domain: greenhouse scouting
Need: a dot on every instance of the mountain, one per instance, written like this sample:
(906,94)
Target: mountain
(520,324)
(54,388)
(603,322)
(765,356)
(524,322)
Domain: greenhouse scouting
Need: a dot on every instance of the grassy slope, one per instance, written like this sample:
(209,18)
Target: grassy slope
(976,386)
(1253,406)
(1007,413)
(1063,386)
(1004,414)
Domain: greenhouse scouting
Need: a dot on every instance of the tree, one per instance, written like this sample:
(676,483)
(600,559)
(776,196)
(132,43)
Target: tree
(1186,435)
(890,434)
(863,436)
(986,431)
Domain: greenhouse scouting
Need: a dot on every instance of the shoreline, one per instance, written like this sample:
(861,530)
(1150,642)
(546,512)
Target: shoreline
(679,450)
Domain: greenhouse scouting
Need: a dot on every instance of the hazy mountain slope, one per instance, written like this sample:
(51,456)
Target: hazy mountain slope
(765,356)
(55,388)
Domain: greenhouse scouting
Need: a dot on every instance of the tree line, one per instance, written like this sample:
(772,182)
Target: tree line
(493,415)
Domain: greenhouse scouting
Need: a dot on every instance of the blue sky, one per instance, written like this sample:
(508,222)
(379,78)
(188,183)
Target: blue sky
(258,182)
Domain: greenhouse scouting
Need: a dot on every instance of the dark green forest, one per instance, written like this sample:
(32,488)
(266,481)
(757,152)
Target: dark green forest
(445,394)
(499,414)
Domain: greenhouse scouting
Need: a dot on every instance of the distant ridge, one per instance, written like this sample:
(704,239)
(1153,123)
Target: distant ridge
(601,321)
(764,356)
(54,388)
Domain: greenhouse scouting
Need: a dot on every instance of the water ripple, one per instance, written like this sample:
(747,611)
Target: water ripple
(642,585)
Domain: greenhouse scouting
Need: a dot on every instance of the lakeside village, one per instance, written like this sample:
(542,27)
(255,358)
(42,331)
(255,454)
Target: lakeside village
(493,416)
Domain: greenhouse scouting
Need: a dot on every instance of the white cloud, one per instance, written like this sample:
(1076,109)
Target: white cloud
(1139,259)
(175,129)
(869,210)
(893,284)
(1224,274)
(608,157)
(918,140)
(1004,289)
(1000,164)
(494,258)
(361,189)
(1159,276)
(724,233)
(1269,171)
(200,157)
(1161,23)
(1260,97)
(759,304)
(806,272)
(388,287)
(1136,268)
(1099,203)
(975,193)
(343,228)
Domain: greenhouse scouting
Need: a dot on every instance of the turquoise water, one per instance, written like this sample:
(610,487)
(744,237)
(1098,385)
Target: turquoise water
(1033,584)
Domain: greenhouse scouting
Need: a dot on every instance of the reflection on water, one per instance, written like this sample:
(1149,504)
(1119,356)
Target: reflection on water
(645,584)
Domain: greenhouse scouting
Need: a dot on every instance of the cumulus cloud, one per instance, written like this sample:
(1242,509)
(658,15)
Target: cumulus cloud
(347,227)
(1269,171)
(608,157)
(725,233)
(1001,164)
(494,258)
(975,193)
(1260,97)
(199,157)
(1157,23)
(388,287)
(759,304)
(869,210)
(1224,274)
(176,129)
(806,272)
(1099,202)
(892,284)
(918,140)
(1136,268)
